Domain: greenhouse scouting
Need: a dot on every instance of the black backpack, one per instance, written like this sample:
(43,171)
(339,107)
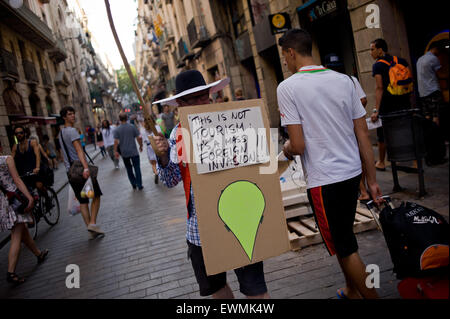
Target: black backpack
(417,238)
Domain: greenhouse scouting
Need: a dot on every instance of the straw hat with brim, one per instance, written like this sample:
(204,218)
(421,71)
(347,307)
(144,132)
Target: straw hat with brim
(192,81)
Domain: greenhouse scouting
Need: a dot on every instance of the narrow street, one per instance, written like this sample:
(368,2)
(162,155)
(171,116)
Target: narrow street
(143,254)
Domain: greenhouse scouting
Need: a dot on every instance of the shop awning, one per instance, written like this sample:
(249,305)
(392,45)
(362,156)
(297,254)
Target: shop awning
(39,120)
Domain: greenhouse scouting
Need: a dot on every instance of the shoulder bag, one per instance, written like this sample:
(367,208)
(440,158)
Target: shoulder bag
(76,167)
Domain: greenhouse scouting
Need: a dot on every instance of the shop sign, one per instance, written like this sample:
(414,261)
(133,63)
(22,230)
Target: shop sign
(280,22)
(322,9)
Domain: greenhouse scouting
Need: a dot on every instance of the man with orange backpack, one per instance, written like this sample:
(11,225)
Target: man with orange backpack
(394,84)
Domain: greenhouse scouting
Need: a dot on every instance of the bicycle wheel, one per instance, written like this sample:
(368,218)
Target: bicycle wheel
(51,212)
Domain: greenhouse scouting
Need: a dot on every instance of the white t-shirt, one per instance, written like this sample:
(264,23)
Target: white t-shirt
(108,136)
(359,90)
(325,103)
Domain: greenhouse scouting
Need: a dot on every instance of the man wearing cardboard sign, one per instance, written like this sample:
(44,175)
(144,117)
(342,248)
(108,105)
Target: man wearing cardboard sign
(192,90)
(326,124)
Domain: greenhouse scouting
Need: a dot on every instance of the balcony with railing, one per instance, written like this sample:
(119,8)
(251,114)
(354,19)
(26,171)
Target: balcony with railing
(46,79)
(8,66)
(58,53)
(30,72)
(26,23)
(166,38)
(176,57)
(183,50)
(198,33)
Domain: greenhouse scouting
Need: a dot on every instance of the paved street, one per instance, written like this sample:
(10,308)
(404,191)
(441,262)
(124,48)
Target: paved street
(143,254)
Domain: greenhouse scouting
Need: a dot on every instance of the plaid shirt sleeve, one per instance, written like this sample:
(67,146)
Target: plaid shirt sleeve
(171,174)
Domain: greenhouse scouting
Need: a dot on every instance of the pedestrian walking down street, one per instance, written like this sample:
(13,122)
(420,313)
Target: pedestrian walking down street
(108,140)
(385,102)
(73,154)
(168,118)
(150,152)
(100,142)
(327,128)
(14,218)
(51,153)
(172,171)
(124,138)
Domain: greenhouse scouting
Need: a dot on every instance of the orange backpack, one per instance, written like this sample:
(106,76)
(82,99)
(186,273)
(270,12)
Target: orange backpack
(400,78)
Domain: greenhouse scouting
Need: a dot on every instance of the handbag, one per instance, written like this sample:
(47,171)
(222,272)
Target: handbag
(76,167)
(17,200)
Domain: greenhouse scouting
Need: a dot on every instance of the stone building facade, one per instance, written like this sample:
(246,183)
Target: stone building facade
(234,39)
(45,61)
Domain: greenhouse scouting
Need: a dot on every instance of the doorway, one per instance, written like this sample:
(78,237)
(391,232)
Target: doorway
(332,31)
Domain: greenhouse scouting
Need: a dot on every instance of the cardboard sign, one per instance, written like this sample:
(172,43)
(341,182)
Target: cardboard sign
(240,213)
(228,139)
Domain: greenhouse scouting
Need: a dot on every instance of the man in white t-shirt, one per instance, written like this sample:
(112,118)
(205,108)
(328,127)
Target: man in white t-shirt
(327,128)
(333,62)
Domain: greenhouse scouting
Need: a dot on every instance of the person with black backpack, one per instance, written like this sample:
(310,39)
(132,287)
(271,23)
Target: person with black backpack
(393,89)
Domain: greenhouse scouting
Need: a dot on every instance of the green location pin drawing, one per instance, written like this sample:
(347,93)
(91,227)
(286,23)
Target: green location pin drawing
(241,207)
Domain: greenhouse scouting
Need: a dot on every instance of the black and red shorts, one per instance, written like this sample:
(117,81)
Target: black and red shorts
(334,208)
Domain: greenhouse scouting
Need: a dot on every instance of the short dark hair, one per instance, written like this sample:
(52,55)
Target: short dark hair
(123,117)
(19,126)
(66,109)
(297,39)
(381,44)
(46,138)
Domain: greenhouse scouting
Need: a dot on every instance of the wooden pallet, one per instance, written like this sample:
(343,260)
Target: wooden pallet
(295,200)
(303,232)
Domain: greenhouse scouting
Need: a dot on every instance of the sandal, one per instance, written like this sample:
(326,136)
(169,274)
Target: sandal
(42,256)
(12,277)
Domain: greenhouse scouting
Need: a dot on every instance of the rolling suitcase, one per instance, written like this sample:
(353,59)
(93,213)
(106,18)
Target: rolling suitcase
(418,243)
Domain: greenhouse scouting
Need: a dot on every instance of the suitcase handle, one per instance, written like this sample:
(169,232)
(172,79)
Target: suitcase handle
(371,205)
(387,200)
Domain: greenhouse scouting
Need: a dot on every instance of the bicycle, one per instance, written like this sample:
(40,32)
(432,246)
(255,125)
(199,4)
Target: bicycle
(50,210)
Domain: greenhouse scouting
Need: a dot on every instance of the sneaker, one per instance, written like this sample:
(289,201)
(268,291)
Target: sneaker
(141,188)
(95,229)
